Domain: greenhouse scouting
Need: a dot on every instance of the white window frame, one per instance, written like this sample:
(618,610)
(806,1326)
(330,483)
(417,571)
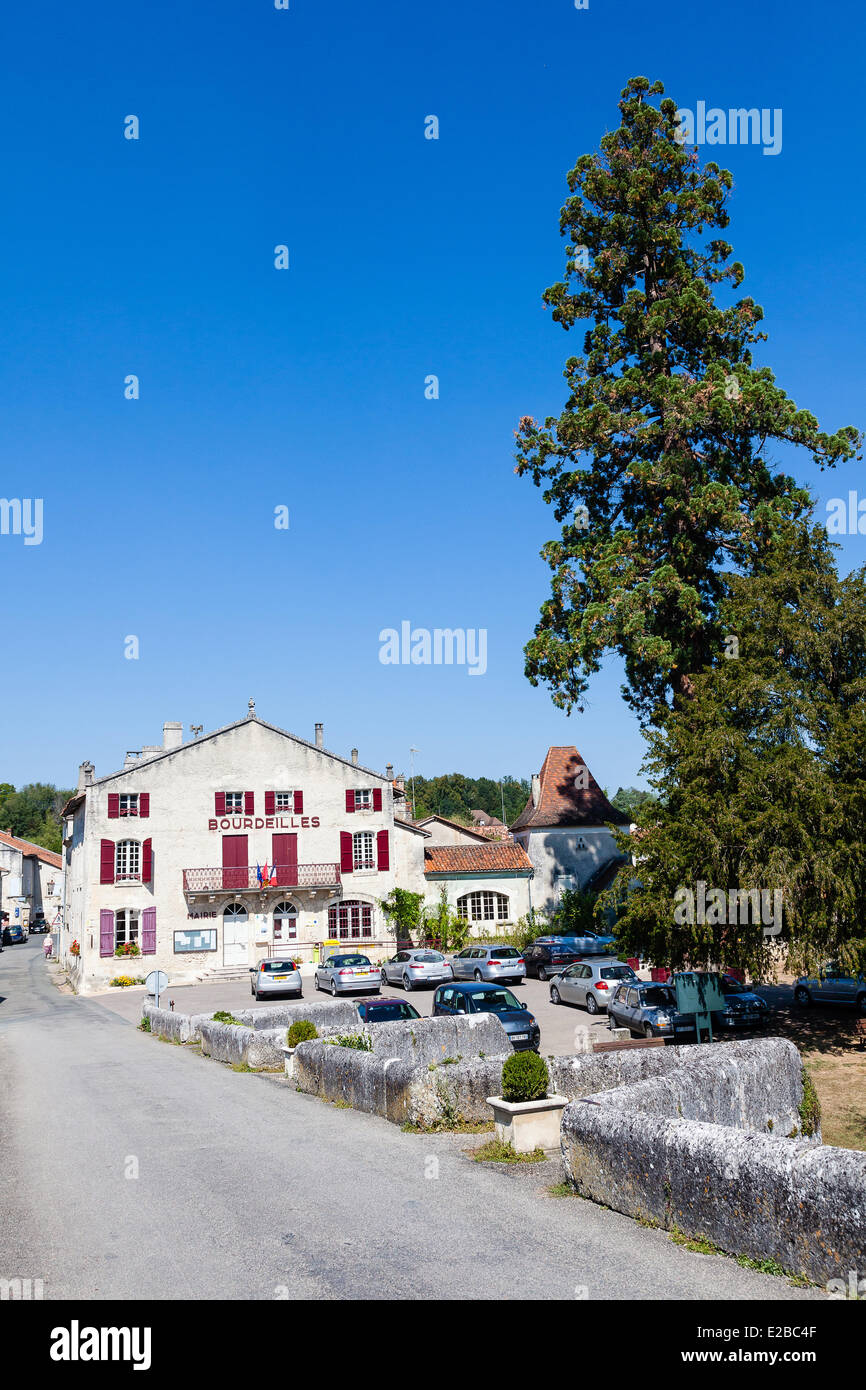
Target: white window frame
(127,925)
(473,907)
(231,808)
(284,801)
(127,861)
(363,850)
(281,918)
(363,798)
(130,808)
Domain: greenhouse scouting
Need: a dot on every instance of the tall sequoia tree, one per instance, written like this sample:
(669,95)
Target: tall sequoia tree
(671,418)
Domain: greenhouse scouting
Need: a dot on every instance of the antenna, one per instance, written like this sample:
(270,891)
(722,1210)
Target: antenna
(195,729)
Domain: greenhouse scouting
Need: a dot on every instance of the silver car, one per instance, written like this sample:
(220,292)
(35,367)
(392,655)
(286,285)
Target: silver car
(832,985)
(341,974)
(416,967)
(275,977)
(495,964)
(590,983)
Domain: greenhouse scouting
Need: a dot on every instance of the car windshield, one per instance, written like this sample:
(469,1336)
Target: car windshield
(504,953)
(276,967)
(391,1012)
(428,955)
(617,972)
(496,1001)
(350,960)
(655,997)
(730,986)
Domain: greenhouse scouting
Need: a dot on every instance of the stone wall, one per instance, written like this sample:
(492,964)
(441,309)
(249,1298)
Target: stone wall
(425,1040)
(257,1049)
(165,1023)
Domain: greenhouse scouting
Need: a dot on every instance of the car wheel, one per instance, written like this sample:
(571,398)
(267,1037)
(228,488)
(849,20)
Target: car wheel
(648,1031)
(802,995)
(478,977)
(407,984)
(334,988)
(554,996)
(591,1005)
(542,973)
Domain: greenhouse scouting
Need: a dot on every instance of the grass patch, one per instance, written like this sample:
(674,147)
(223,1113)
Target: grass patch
(222,1016)
(562,1189)
(241,1066)
(810,1105)
(699,1245)
(496,1151)
(798,1281)
(442,1126)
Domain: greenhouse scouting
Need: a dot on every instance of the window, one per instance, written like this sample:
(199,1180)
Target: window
(566,883)
(362,850)
(235,912)
(284,801)
(128,804)
(363,799)
(483,907)
(350,920)
(285,922)
(127,861)
(234,803)
(125,926)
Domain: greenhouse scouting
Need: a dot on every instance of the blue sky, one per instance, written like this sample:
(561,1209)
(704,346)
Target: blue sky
(306,387)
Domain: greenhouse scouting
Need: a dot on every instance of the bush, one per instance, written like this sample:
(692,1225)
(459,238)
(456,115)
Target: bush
(223,1017)
(302,1030)
(524,1077)
(359,1041)
(123,981)
(810,1106)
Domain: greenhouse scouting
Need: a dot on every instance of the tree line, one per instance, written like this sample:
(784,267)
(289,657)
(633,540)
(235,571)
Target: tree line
(32,812)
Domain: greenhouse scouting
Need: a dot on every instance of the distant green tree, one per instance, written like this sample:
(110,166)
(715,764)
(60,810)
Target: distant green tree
(629,800)
(33,812)
(455,796)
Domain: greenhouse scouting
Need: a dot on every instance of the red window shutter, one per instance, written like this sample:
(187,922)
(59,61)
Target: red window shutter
(249,804)
(148,931)
(106,864)
(113,805)
(147,861)
(299,803)
(350,799)
(144,804)
(382,851)
(106,932)
(219,803)
(346,861)
(270,803)
(377,798)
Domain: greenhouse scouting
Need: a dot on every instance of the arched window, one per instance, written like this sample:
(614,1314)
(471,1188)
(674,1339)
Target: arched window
(127,861)
(235,912)
(285,922)
(350,920)
(483,907)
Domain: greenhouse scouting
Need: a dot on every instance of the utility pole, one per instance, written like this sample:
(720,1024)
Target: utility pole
(412,752)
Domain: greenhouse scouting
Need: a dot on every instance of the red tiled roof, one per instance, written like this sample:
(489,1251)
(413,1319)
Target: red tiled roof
(560,802)
(475,859)
(26,847)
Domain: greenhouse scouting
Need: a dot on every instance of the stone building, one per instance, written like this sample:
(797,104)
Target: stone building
(31,880)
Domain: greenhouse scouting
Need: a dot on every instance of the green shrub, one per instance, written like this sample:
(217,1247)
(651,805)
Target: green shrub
(144,1025)
(302,1030)
(359,1041)
(810,1106)
(221,1016)
(524,1077)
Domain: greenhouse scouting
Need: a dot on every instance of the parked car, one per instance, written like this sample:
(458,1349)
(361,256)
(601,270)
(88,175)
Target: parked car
(272,977)
(385,1010)
(590,983)
(14,934)
(743,1008)
(416,967)
(340,974)
(832,985)
(544,961)
(523,1031)
(589,943)
(492,963)
(38,924)
(649,1010)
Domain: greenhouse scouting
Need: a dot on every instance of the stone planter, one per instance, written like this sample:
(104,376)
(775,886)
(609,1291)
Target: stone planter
(528,1124)
(289,1056)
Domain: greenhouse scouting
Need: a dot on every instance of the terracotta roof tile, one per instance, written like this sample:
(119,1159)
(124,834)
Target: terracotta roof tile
(560,802)
(26,847)
(475,859)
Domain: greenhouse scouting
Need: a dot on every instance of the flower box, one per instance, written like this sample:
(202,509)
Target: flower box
(528,1124)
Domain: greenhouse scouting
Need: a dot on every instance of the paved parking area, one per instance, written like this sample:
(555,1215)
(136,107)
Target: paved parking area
(558,1025)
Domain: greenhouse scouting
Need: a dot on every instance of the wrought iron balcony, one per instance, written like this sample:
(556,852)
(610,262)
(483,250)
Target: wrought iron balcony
(245,878)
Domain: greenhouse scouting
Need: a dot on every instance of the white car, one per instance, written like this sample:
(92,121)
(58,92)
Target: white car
(342,974)
(272,977)
(416,967)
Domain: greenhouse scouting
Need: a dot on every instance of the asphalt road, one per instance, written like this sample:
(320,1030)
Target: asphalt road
(131,1168)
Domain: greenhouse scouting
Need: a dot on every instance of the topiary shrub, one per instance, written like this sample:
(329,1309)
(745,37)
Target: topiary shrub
(524,1077)
(302,1030)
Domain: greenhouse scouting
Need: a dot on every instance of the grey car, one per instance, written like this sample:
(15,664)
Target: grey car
(493,964)
(832,985)
(271,977)
(649,1010)
(416,967)
(342,974)
(590,983)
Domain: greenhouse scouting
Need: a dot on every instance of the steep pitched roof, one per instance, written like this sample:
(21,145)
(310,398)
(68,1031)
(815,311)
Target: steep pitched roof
(443,820)
(560,802)
(476,859)
(28,848)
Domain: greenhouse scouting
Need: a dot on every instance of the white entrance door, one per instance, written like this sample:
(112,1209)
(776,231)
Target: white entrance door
(235,937)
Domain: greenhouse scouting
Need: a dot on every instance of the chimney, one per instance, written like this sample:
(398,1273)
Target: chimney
(131,758)
(172,735)
(536,788)
(320,735)
(389,771)
(355,757)
(85,776)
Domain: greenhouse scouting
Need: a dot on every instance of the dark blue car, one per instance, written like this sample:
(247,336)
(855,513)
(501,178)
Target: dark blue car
(523,1032)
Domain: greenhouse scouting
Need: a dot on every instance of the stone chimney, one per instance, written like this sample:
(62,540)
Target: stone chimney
(85,775)
(172,735)
(320,735)
(536,788)
(389,771)
(131,758)
(355,757)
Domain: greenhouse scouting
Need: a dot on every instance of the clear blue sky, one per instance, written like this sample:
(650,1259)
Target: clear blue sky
(306,388)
